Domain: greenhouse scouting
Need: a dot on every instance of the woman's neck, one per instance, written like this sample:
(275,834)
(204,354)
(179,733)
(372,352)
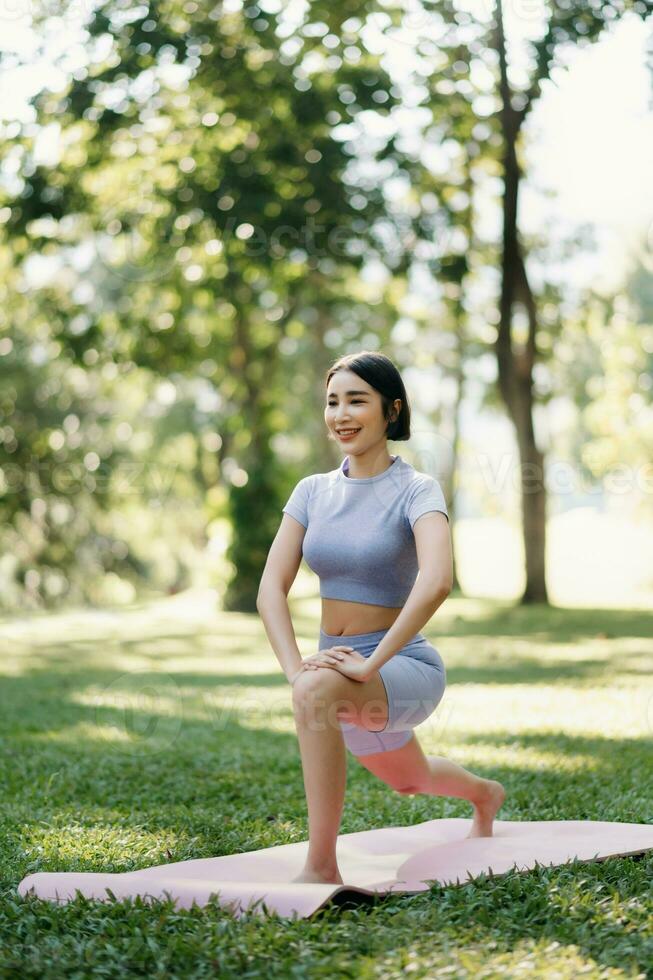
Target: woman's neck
(368,464)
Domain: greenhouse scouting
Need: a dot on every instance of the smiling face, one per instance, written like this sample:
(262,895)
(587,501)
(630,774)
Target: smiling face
(352,403)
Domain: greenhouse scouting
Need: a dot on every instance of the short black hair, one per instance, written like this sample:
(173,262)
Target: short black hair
(382,375)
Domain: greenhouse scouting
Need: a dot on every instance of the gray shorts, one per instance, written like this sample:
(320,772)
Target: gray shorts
(414,680)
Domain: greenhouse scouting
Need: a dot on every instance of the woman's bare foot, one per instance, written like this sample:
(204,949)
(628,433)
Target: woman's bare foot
(332,878)
(486,808)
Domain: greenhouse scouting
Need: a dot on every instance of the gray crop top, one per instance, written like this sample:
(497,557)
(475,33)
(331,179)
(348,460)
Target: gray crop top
(359,536)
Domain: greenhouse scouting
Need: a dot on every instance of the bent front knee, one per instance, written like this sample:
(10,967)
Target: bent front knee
(311,683)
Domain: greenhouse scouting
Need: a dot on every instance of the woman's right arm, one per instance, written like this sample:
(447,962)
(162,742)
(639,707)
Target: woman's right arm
(281,567)
(272,604)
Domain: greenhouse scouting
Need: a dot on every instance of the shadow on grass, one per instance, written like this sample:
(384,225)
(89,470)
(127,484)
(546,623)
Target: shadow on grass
(161,725)
(213,784)
(554,624)
(174,764)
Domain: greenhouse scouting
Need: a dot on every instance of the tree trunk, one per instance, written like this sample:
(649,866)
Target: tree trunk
(460,320)
(516,361)
(455,449)
(253,522)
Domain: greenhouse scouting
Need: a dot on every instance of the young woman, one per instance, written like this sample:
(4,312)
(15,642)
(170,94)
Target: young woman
(366,529)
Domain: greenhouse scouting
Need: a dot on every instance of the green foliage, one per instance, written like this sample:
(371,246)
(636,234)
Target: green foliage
(605,361)
(199,192)
(88,452)
(204,218)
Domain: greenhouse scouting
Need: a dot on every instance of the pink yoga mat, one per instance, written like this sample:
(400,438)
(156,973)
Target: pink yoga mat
(372,862)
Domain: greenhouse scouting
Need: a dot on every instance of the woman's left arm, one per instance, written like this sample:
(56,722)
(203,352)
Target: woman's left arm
(433,585)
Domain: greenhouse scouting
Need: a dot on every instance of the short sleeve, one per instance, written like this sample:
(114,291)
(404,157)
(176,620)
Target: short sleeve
(297,503)
(427,496)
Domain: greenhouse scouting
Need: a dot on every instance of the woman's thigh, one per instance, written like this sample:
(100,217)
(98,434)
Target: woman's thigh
(379,716)
(413,691)
(346,702)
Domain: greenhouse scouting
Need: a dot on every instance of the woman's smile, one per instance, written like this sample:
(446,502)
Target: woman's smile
(347,434)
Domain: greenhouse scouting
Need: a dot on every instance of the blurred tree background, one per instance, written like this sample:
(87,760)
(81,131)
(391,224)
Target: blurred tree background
(219,199)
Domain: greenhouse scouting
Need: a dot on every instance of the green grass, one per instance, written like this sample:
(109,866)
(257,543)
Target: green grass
(164,732)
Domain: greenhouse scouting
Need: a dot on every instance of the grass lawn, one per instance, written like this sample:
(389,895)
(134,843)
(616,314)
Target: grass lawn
(164,732)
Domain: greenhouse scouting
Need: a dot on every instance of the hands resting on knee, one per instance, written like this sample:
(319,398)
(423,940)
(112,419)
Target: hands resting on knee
(345,659)
(330,655)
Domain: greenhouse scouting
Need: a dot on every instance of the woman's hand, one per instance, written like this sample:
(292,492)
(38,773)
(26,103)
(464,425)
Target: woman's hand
(328,656)
(344,659)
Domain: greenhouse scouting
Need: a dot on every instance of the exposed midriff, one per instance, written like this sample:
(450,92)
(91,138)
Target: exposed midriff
(343,618)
